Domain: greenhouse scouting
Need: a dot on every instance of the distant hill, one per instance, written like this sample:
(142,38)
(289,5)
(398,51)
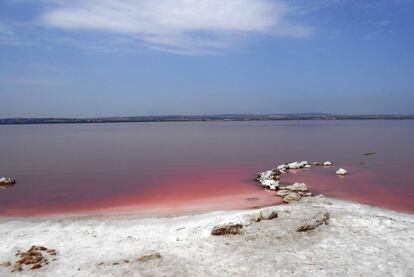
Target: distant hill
(197,118)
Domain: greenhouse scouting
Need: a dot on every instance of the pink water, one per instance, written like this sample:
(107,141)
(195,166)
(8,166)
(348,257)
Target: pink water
(186,167)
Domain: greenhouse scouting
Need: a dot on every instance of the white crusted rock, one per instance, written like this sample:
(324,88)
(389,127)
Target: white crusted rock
(268,214)
(6,181)
(342,171)
(327,163)
(282,167)
(294,165)
(297,187)
(270,184)
(267,175)
(282,192)
(291,197)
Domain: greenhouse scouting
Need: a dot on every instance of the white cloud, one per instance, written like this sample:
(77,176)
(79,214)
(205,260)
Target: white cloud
(181,26)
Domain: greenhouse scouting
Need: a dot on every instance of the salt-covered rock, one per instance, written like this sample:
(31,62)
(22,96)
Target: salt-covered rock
(294,165)
(342,171)
(282,167)
(316,163)
(305,194)
(268,214)
(303,164)
(267,175)
(5,181)
(282,192)
(270,184)
(291,197)
(313,222)
(327,163)
(297,187)
(308,166)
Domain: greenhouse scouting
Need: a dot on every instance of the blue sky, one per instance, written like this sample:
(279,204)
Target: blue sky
(86,58)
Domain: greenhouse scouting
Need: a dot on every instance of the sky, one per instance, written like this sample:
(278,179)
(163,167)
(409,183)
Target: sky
(91,58)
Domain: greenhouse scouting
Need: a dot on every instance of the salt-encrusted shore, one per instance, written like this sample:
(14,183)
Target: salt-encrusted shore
(355,240)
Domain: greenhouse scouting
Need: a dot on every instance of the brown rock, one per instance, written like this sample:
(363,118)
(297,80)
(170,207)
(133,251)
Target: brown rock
(314,222)
(291,197)
(226,229)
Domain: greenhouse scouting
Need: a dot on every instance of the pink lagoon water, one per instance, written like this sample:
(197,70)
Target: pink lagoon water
(187,167)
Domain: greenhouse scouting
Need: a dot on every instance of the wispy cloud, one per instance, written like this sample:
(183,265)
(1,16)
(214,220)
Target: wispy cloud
(180,26)
(8,36)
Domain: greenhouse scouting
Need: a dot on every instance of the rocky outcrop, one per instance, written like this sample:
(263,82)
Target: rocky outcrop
(271,180)
(313,222)
(227,229)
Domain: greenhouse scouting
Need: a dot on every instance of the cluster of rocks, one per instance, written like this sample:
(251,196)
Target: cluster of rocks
(293,192)
(7,182)
(310,217)
(271,180)
(33,258)
(235,227)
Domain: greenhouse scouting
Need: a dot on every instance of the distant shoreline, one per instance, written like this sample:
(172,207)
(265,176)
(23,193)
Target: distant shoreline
(200,118)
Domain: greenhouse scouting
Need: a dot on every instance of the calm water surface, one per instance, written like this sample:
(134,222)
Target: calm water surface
(179,167)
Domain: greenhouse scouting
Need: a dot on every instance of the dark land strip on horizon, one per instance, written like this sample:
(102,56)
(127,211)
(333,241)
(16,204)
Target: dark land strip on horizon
(201,118)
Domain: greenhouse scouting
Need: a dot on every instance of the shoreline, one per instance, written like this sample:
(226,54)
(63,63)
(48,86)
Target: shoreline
(359,239)
(133,212)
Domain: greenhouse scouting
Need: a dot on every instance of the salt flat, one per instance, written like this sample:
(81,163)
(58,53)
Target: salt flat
(358,241)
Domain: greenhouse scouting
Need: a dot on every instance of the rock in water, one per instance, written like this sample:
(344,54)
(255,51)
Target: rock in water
(313,222)
(270,184)
(294,165)
(342,171)
(282,192)
(282,167)
(297,187)
(327,163)
(268,214)
(291,197)
(226,229)
(7,182)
